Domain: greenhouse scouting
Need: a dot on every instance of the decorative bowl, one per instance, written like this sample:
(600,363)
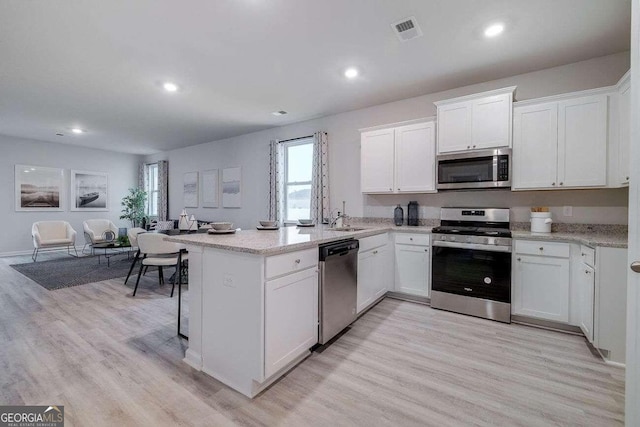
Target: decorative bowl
(268,223)
(219,226)
(305,221)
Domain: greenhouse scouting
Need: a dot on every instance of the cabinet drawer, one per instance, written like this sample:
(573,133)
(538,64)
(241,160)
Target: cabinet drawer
(279,265)
(530,247)
(588,255)
(367,243)
(412,239)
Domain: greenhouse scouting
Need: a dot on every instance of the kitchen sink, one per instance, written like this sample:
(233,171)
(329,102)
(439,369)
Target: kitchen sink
(348,228)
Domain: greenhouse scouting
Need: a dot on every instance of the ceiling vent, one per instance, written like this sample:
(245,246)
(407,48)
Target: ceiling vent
(407,29)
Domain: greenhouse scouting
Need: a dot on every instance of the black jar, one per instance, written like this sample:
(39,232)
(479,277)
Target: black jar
(412,213)
(398,215)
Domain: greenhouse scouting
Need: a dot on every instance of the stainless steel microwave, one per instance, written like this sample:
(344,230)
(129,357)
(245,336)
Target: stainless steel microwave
(475,169)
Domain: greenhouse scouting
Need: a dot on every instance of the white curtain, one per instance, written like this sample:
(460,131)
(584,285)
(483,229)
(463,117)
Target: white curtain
(276,186)
(320,178)
(163,190)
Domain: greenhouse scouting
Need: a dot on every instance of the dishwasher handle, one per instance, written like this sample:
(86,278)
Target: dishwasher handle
(338,249)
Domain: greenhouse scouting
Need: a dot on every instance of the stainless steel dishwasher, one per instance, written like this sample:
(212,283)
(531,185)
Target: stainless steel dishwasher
(338,287)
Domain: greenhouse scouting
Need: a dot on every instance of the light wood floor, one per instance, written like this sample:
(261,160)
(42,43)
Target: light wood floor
(115,360)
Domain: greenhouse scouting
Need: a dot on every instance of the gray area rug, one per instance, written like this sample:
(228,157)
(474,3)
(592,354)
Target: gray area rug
(68,272)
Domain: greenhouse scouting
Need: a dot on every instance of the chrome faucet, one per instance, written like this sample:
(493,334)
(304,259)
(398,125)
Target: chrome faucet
(333,221)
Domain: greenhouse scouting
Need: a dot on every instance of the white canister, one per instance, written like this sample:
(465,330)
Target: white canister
(541,222)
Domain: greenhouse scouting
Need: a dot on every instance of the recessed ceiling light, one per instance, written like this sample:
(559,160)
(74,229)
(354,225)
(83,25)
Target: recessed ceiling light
(170,87)
(279,113)
(494,30)
(351,73)
(77,131)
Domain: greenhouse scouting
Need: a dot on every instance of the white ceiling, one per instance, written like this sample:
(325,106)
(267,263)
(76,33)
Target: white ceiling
(98,64)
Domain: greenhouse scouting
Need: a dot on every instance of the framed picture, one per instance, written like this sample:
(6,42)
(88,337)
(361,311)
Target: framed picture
(89,191)
(231,188)
(39,188)
(190,190)
(210,188)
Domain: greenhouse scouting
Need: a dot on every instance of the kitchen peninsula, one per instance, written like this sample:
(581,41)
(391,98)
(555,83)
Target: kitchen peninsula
(253,301)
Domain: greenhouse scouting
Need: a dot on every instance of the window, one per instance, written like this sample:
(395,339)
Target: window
(152,190)
(298,164)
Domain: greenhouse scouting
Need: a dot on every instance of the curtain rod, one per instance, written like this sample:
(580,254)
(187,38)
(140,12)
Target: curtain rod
(295,139)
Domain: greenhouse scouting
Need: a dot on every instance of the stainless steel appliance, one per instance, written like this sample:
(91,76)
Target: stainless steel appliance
(338,287)
(475,169)
(471,263)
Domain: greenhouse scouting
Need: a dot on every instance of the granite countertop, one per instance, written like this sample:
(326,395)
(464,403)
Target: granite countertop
(271,242)
(288,239)
(593,239)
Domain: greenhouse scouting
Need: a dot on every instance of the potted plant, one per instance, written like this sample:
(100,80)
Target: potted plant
(133,207)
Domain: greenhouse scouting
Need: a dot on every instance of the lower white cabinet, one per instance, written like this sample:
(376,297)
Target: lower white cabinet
(375,273)
(291,318)
(586,282)
(412,264)
(541,282)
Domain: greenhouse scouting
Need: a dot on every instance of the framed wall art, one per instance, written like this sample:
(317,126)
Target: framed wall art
(210,188)
(231,188)
(39,188)
(89,191)
(190,190)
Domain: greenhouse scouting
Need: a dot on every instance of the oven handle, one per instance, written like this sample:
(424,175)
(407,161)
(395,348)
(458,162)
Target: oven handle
(473,246)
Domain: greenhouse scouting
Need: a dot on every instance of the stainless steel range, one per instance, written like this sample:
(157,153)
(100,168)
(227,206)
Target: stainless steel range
(471,263)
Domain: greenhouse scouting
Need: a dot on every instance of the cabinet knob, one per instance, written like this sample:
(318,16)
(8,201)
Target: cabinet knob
(519,259)
(587,271)
(426,250)
(627,178)
(583,254)
(553,183)
(411,238)
(561,183)
(375,252)
(468,146)
(391,189)
(474,146)
(297,261)
(398,189)
(541,248)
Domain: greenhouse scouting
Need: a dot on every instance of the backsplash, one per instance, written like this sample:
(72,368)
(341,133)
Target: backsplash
(576,228)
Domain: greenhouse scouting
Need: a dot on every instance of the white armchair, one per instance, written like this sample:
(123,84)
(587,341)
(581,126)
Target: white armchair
(52,234)
(94,231)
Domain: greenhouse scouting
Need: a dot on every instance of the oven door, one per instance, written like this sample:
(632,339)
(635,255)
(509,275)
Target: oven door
(472,270)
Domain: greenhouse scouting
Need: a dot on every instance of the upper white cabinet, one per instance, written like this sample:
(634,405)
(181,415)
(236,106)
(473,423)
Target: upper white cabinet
(398,159)
(476,121)
(623,121)
(560,144)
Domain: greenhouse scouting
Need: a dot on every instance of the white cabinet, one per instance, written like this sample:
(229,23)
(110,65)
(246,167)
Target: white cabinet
(582,142)
(413,264)
(560,144)
(399,159)
(475,122)
(375,271)
(610,305)
(291,318)
(535,146)
(541,280)
(586,282)
(624,129)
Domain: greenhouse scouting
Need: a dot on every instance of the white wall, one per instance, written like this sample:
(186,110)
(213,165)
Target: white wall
(122,169)
(252,152)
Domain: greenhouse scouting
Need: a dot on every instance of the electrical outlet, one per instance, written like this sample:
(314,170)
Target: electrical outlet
(567,211)
(228,281)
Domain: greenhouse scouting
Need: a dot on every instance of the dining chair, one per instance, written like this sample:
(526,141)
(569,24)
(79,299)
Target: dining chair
(159,253)
(132,234)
